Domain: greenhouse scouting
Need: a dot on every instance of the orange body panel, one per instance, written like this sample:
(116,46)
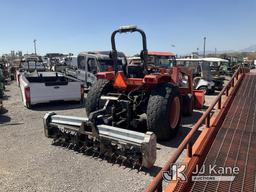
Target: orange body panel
(198,99)
(135,81)
(109,75)
(154,79)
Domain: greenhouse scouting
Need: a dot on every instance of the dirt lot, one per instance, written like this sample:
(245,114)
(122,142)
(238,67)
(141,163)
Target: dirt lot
(28,161)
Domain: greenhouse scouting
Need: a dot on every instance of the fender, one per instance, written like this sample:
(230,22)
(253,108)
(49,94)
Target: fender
(154,79)
(109,75)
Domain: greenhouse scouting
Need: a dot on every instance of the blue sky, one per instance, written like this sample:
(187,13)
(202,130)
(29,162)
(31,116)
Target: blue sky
(81,25)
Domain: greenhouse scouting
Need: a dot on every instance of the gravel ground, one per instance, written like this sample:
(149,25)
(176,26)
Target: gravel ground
(28,161)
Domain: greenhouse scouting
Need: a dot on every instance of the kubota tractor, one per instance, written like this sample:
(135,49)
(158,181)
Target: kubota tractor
(121,103)
(136,91)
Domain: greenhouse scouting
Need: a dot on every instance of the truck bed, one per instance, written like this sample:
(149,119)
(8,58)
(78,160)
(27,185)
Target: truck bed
(44,87)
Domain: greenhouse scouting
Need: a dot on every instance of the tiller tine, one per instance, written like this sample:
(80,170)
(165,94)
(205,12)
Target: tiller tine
(125,145)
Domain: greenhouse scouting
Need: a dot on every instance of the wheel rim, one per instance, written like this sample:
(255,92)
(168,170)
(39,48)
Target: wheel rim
(174,114)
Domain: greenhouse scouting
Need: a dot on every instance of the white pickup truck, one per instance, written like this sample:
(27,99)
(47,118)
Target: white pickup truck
(44,87)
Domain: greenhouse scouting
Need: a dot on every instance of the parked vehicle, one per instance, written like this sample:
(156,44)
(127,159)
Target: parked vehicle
(71,62)
(58,64)
(90,63)
(254,64)
(44,87)
(202,77)
(5,73)
(215,63)
(228,68)
(162,59)
(134,60)
(155,58)
(29,64)
(1,83)
(218,67)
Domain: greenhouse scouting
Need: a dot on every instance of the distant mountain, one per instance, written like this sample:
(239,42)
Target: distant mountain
(251,48)
(218,52)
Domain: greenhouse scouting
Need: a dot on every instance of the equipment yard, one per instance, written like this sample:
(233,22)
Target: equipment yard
(127,96)
(29,162)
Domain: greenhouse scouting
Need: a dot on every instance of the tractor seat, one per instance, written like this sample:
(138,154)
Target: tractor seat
(135,71)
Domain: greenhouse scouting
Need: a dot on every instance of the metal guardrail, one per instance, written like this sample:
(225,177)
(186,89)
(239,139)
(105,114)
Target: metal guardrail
(156,183)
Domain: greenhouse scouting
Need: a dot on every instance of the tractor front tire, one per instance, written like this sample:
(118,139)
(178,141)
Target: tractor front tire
(100,87)
(164,111)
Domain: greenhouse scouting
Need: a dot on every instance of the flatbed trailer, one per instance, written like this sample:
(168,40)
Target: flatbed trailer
(227,141)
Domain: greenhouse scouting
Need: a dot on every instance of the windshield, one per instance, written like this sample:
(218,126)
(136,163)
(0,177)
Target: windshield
(206,71)
(161,61)
(32,65)
(105,63)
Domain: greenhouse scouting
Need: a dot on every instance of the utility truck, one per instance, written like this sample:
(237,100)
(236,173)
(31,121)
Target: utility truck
(88,64)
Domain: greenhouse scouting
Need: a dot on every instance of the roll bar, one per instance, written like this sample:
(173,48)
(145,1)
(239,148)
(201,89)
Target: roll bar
(131,29)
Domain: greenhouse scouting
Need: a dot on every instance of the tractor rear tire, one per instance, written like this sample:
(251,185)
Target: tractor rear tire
(164,111)
(101,87)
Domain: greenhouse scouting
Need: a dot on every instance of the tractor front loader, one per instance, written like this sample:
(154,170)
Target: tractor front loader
(127,112)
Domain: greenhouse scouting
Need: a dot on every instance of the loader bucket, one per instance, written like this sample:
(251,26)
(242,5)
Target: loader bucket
(125,146)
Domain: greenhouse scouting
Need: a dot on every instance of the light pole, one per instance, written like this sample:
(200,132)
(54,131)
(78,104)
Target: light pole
(215,52)
(35,45)
(204,45)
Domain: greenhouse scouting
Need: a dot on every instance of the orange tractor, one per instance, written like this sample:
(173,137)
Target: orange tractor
(124,104)
(153,90)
